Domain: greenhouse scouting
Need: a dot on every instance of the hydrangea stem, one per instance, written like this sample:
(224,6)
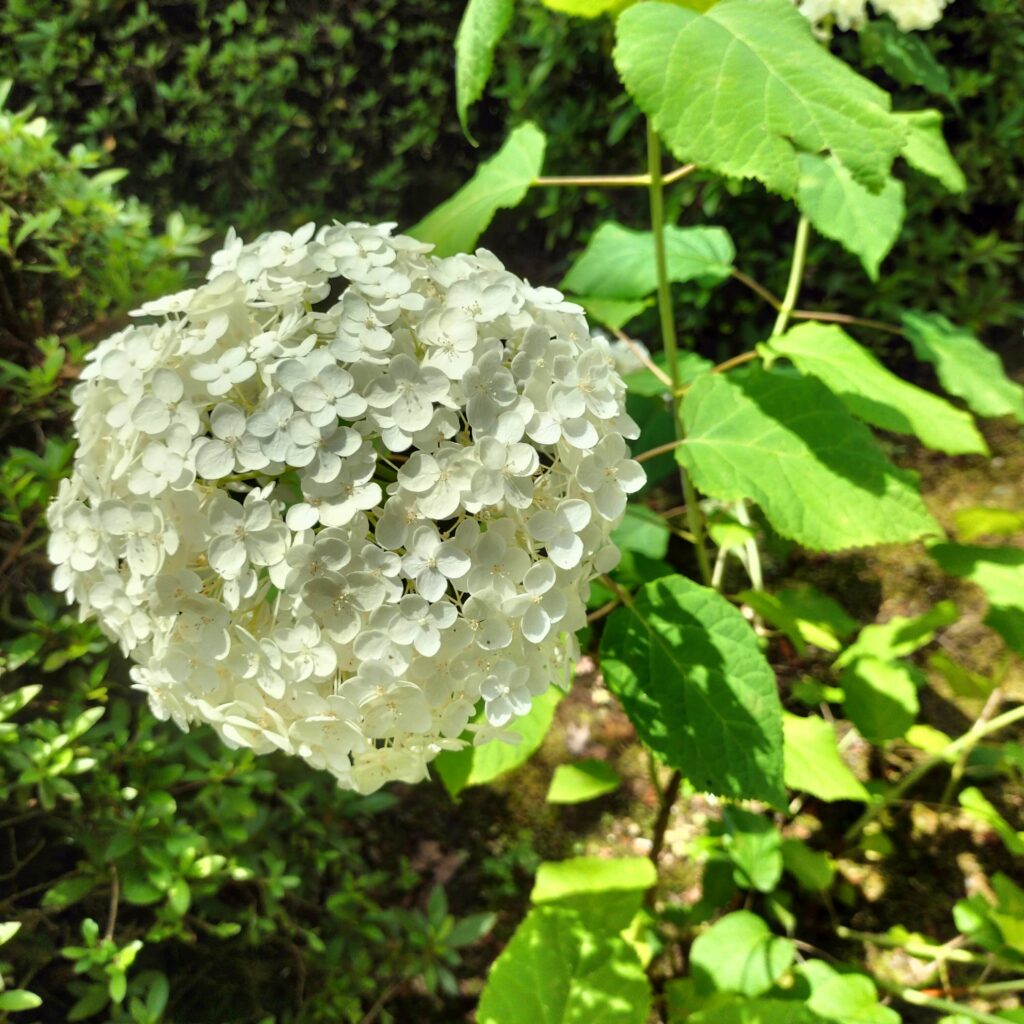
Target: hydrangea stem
(668,339)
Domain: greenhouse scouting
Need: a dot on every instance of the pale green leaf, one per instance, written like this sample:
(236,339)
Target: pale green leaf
(483,24)
(1000,573)
(844,998)
(974,802)
(16,999)
(926,150)
(556,971)
(739,954)
(873,393)
(606,892)
(865,223)
(500,182)
(8,929)
(618,262)
(745,88)
(812,761)
(979,521)
(686,666)
(595,8)
(965,367)
(900,636)
(581,781)
(611,313)
(789,444)
(814,870)
(804,614)
(475,766)
(881,697)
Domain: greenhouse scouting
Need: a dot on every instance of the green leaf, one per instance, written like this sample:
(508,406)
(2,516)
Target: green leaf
(844,998)
(973,801)
(611,313)
(926,150)
(963,682)
(804,614)
(903,55)
(873,393)
(745,88)
(789,444)
(881,698)
(863,222)
(483,24)
(1000,573)
(739,954)
(606,893)
(11,703)
(752,1011)
(581,781)
(618,262)
(68,891)
(899,636)
(812,760)
(965,367)
(754,845)
(555,971)
(475,766)
(973,523)
(16,999)
(642,530)
(686,666)
(814,870)
(501,182)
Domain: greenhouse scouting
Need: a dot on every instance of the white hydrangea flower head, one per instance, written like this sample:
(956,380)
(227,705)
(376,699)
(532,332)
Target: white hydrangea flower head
(344,500)
(909,15)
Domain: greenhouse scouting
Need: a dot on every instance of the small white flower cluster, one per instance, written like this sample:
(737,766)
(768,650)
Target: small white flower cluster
(344,493)
(909,15)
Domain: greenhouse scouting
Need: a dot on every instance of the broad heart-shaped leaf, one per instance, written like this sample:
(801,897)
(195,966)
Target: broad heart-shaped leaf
(965,367)
(483,24)
(788,443)
(844,998)
(686,666)
(812,761)
(501,182)
(618,262)
(873,393)
(926,149)
(474,766)
(880,697)
(865,223)
(606,893)
(580,781)
(1000,573)
(739,954)
(745,88)
(557,971)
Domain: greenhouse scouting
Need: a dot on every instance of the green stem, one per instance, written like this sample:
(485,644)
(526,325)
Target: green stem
(964,744)
(668,338)
(927,951)
(796,273)
(947,1006)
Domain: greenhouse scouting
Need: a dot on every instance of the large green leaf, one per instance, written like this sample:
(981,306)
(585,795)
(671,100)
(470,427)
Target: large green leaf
(745,88)
(873,393)
(739,954)
(501,182)
(618,262)
(1000,573)
(864,222)
(483,24)
(926,149)
(474,766)
(880,697)
(557,971)
(790,445)
(606,893)
(964,366)
(844,998)
(812,760)
(687,668)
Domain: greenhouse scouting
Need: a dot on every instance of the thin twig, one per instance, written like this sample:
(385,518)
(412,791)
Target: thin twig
(643,357)
(660,449)
(743,357)
(605,609)
(995,698)
(115,894)
(668,799)
(15,549)
(844,318)
(755,286)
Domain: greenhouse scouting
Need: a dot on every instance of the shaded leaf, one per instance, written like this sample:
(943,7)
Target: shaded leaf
(881,698)
(483,24)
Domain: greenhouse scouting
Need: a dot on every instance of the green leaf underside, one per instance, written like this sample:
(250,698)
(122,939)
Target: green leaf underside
(790,445)
(618,262)
(965,367)
(475,766)
(483,24)
(1000,573)
(687,669)
(500,182)
(926,150)
(556,971)
(744,88)
(813,764)
(881,697)
(581,781)
(863,222)
(875,394)
(739,954)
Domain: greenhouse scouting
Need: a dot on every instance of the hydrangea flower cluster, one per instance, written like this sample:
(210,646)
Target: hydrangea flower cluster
(909,15)
(345,493)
